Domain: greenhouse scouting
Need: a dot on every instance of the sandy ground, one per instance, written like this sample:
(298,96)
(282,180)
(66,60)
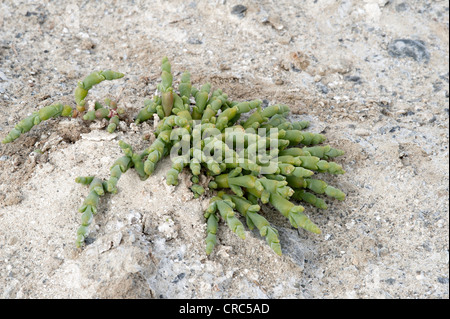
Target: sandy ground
(371,75)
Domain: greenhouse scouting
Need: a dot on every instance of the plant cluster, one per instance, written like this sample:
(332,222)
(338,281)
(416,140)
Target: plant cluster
(248,154)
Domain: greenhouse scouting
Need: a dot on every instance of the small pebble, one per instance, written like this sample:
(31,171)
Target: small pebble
(179,277)
(390,281)
(403,48)
(401,7)
(194,41)
(265,103)
(239,10)
(224,67)
(322,87)
(279,82)
(353,78)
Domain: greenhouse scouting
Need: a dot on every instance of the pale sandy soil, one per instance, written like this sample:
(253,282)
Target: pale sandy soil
(336,63)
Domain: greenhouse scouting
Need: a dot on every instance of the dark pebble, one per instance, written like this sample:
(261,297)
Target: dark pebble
(194,41)
(401,7)
(265,103)
(437,86)
(179,277)
(407,113)
(395,128)
(390,281)
(41,16)
(294,68)
(239,10)
(89,240)
(353,78)
(403,48)
(323,88)
(442,280)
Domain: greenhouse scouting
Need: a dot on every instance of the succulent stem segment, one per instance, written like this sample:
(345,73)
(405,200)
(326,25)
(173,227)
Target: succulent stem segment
(45,113)
(249,155)
(89,207)
(253,219)
(57,109)
(92,79)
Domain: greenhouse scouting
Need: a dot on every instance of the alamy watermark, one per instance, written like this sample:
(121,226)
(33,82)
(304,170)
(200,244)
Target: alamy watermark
(71,18)
(255,150)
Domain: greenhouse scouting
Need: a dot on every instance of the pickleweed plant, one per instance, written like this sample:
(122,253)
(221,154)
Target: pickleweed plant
(250,155)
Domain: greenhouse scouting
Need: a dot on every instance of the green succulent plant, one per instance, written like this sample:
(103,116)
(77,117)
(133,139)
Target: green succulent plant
(251,155)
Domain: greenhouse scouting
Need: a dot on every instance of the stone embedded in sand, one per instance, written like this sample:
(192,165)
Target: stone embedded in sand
(403,48)
(239,10)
